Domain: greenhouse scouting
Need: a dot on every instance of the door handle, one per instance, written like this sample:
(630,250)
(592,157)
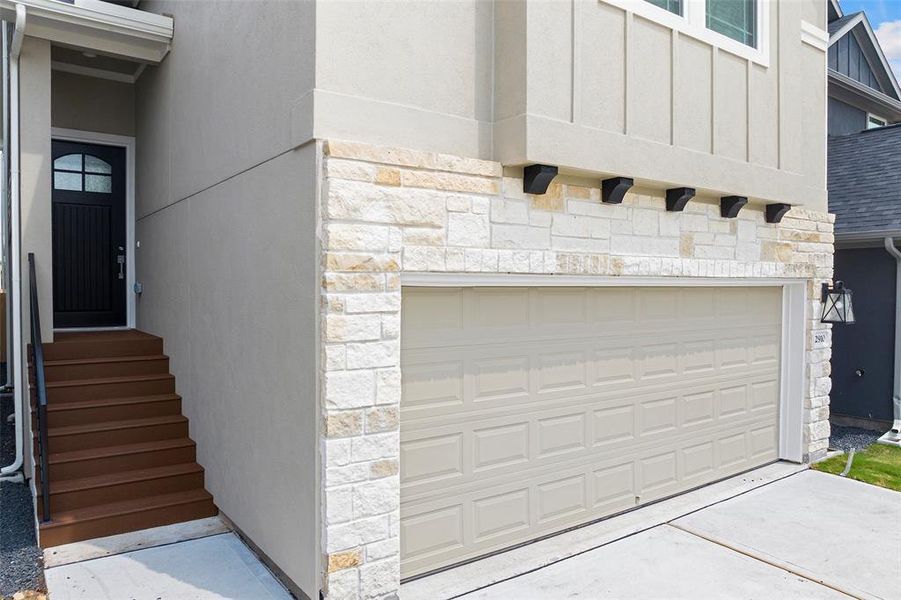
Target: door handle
(120,258)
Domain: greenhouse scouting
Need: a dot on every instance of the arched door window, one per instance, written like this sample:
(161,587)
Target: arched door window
(82,173)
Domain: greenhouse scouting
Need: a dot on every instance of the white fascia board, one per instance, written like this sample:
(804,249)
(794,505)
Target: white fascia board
(862,96)
(845,29)
(837,7)
(100,26)
(865,238)
(881,54)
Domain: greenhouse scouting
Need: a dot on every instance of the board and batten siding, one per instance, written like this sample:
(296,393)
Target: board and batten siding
(610,89)
(591,86)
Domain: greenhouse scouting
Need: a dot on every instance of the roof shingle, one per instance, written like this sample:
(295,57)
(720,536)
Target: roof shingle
(864,180)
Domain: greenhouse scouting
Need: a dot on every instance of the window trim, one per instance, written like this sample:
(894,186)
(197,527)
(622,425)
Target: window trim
(871,116)
(693,23)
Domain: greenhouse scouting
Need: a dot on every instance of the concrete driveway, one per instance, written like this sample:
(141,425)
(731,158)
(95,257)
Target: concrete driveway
(802,535)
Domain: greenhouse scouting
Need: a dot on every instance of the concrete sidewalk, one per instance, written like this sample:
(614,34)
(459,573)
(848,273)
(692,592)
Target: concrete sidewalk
(217,567)
(802,534)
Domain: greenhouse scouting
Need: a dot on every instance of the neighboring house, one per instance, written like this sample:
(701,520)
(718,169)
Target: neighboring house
(864,174)
(435,279)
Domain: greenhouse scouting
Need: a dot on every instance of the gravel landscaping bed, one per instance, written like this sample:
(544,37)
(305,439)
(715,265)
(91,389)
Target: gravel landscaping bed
(21,567)
(845,438)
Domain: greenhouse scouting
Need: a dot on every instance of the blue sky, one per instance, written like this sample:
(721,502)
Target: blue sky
(885,17)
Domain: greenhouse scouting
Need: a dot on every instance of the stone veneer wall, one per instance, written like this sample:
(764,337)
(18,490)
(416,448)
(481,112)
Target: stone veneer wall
(387,210)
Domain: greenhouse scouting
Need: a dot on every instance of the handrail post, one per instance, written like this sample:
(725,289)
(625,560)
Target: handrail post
(37,349)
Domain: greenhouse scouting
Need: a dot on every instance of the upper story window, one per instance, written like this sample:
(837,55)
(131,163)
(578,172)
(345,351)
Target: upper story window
(736,19)
(674,6)
(740,27)
(873,122)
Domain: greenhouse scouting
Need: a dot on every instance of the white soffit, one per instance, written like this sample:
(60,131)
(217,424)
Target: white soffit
(94,25)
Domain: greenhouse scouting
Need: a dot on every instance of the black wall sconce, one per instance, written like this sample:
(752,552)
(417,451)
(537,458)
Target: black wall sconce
(677,198)
(775,212)
(837,307)
(613,190)
(536,178)
(730,205)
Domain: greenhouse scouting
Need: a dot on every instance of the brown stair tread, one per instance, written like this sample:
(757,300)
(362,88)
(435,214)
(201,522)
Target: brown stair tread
(110,479)
(125,507)
(111,335)
(109,380)
(105,402)
(114,425)
(105,451)
(102,359)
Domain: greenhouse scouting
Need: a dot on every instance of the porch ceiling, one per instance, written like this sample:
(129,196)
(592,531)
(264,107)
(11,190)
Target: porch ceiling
(101,27)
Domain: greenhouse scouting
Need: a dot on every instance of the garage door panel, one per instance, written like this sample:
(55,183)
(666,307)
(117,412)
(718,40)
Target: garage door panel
(561,370)
(499,308)
(504,378)
(432,384)
(506,467)
(432,533)
(693,406)
(561,434)
(502,514)
(493,517)
(500,446)
(434,458)
(614,487)
(529,410)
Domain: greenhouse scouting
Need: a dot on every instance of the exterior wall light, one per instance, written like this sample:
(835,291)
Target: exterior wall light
(837,307)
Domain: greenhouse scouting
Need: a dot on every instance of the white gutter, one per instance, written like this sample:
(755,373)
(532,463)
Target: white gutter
(15,217)
(894,435)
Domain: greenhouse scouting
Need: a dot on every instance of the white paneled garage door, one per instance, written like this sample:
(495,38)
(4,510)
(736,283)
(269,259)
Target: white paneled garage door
(529,410)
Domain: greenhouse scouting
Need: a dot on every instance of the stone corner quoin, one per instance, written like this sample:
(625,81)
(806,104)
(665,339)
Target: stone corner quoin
(391,210)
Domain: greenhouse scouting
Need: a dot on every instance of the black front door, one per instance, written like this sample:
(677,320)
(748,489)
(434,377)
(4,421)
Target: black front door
(89,238)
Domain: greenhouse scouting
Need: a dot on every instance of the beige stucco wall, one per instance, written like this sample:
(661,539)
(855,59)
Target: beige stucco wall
(223,99)
(547,81)
(226,225)
(225,288)
(93,104)
(35,167)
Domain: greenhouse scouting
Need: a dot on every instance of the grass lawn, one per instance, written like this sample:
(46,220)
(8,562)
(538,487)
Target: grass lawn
(878,464)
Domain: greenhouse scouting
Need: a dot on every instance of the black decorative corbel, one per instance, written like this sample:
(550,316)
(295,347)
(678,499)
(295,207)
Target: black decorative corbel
(613,190)
(536,178)
(677,198)
(775,212)
(730,205)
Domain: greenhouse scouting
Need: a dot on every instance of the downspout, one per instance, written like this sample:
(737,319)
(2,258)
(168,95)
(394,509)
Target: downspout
(15,216)
(893,436)
(4,210)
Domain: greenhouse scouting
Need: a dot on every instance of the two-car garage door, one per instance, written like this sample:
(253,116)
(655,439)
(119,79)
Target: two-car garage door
(527,410)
